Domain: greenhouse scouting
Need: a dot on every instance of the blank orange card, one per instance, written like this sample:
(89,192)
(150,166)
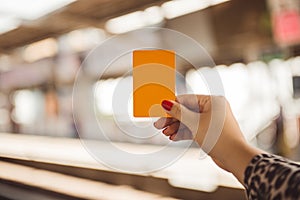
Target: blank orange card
(153,81)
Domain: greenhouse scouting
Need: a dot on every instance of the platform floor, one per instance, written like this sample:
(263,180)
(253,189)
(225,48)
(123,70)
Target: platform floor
(188,172)
(64,184)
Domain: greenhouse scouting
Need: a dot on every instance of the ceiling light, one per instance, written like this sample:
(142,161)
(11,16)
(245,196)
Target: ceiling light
(135,20)
(39,50)
(84,39)
(176,8)
(153,15)
(216,2)
(125,23)
(31,9)
(8,24)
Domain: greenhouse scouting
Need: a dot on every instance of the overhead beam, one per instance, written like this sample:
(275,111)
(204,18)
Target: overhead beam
(64,21)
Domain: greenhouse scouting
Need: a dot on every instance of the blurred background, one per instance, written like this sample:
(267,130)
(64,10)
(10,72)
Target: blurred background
(255,45)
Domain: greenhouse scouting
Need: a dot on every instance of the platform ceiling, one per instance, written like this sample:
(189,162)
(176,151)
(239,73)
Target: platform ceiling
(79,14)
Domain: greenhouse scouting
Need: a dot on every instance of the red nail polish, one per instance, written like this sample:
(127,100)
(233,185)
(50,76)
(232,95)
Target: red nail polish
(164,131)
(167,105)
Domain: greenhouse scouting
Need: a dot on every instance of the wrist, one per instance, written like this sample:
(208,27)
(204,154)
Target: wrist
(239,158)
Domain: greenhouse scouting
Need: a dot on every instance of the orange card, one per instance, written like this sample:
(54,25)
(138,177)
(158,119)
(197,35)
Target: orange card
(153,81)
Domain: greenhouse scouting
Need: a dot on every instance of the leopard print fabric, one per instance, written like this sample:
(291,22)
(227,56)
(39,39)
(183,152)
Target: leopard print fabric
(270,177)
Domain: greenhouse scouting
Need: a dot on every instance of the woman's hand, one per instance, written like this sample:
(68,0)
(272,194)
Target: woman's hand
(210,122)
(192,116)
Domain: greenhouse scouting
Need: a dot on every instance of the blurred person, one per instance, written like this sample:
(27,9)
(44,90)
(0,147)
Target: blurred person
(264,175)
(51,103)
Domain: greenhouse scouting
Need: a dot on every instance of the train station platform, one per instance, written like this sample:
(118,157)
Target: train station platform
(64,166)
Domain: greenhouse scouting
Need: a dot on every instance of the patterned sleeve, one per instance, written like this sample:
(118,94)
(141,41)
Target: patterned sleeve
(272,177)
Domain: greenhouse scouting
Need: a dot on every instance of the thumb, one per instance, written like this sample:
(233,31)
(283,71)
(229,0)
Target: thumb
(183,114)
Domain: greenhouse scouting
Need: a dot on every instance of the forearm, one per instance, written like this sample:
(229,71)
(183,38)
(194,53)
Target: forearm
(239,158)
(233,150)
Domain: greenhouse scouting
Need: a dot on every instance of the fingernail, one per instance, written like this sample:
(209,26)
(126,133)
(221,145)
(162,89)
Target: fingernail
(167,105)
(164,131)
(171,137)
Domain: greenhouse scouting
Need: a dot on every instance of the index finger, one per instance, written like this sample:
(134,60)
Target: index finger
(193,102)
